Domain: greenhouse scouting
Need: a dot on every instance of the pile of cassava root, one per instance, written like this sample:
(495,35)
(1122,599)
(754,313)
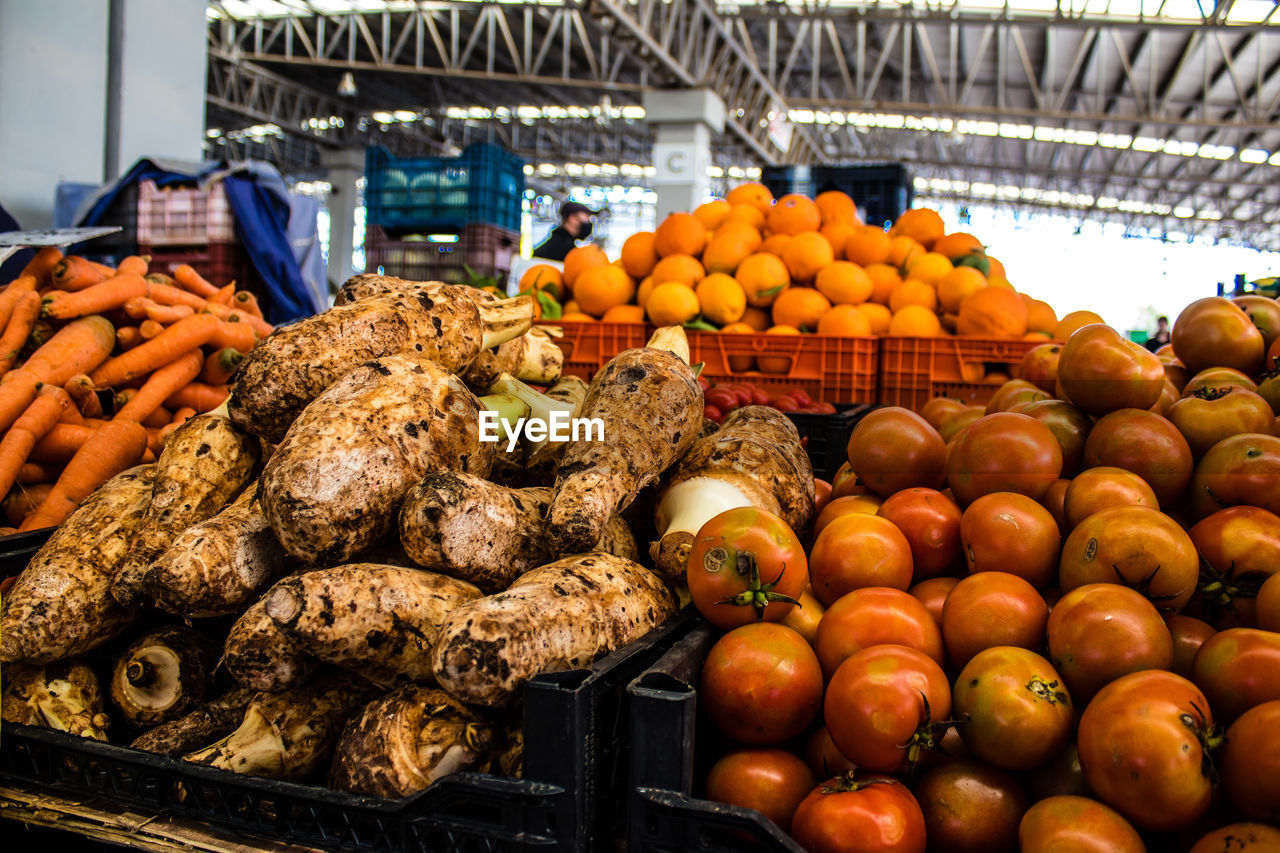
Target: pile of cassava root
(332,578)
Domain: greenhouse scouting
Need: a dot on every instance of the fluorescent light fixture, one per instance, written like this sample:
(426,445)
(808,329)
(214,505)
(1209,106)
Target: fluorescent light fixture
(1255,156)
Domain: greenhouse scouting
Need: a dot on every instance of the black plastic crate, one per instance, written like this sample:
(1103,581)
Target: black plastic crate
(219,263)
(484,184)
(485,250)
(826,437)
(881,191)
(664,816)
(17,549)
(122,211)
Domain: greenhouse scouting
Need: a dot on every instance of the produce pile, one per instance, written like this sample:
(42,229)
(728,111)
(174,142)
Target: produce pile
(747,264)
(99,365)
(1047,624)
(724,397)
(334,578)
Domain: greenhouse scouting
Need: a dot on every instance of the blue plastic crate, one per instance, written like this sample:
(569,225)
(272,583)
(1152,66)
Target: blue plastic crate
(485,184)
(882,192)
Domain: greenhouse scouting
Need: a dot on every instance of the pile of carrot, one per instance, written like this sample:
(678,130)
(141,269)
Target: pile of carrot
(162,347)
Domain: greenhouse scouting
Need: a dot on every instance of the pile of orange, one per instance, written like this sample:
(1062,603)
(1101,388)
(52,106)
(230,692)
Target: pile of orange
(750,263)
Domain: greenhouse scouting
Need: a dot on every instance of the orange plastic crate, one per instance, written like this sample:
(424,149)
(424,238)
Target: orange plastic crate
(834,369)
(915,370)
(588,347)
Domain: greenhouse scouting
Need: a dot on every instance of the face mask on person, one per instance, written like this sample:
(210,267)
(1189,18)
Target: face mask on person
(584,230)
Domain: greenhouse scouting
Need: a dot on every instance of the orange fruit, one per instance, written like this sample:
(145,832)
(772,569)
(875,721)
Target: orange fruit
(746,214)
(996,268)
(580,259)
(1069,324)
(867,245)
(1041,317)
(600,288)
(646,287)
(722,299)
(878,317)
(929,267)
(884,279)
(671,304)
(958,284)
(838,234)
(754,195)
(903,250)
(793,214)
(836,207)
(680,234)
(920,224)
(912,292)
(806,255)
(682,268)
(763,277)
(778,364)
(576,317)
(1037,336)
(730,245)
(738,329)
(992,312)
(999,281)
(844,321)
(757,318)
(542,277)
(572,307)
(915,321)
(623,314)
(713,213)
(957,244)
(639,255)
(844,283)
(776,244)
(800,307)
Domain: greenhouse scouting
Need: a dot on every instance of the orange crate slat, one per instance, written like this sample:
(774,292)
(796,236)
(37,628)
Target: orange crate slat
(587,347)
(834,369)
(915,370)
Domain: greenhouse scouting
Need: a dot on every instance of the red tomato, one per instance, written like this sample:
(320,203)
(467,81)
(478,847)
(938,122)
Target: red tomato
(1243,469)
(1076,825)
(1143,742)
(955,424)
(1188,636)
(1102,372)
(931,523)
(841,505)
(1040,366)
(1238,669)
(1214,332)
(868,815)
(1060,776)
(992,609)
(1211,414)
(1264,312)
(1146,444)
(771,781)
(785,404)
(711,413)
(885,706)
(1018,712)
(722,398)
(856,551)
(761,684)
(1250,763)
(1135,546)
(894,449)
(933,593)
(821,494)
(746,565)
(1268,604)
(1240,838)
(1239,549)
(937,410)
(1054,500)
(1217,377)
(970,807)
(1067,423)
(1102,631)
(1004,452)
(1103,488)
(872,617)
(823,758)
(1009,532)
(1015,392)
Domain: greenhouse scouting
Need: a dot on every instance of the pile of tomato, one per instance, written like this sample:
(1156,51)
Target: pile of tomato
(1047,624)
(723,398)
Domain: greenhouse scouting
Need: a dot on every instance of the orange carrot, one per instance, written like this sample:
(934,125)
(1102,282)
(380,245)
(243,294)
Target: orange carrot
(128,337)
(181,416)
(160,385)
(166,294)
(122,397)
(74,273)
(136,307)
(41,266)
(105,296)
(39,472)
(219,366)
(159,418)
(134,265)
(260,327)
(247,302)
(186,334)
(149,329)
(78,347)
(21,438)
(155,441)
(19,329)
(19,503)
(116,447)
(201,397)
(167,315)
(237,336)
(193,282)
(12,295)
(83,395)
(224,295)
(70,414)
(61,443)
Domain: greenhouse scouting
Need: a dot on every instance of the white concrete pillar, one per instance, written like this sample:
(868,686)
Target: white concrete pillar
(53,62)
(684,121)
(345,166)
(156,73)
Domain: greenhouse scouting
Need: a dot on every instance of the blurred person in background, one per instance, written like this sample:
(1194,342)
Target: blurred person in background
(1160,336)
(575,225)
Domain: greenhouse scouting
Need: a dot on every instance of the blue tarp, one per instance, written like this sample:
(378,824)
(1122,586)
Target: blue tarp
(261,204)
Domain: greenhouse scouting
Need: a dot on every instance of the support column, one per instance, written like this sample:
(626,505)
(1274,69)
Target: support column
(683,121)
(345,166)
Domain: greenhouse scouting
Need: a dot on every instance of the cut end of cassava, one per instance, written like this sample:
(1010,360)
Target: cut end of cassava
(542,361)
(571,390)
(254,749)
(673,340)
(505,319)
(671,554)
(283,605)
(509,409)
